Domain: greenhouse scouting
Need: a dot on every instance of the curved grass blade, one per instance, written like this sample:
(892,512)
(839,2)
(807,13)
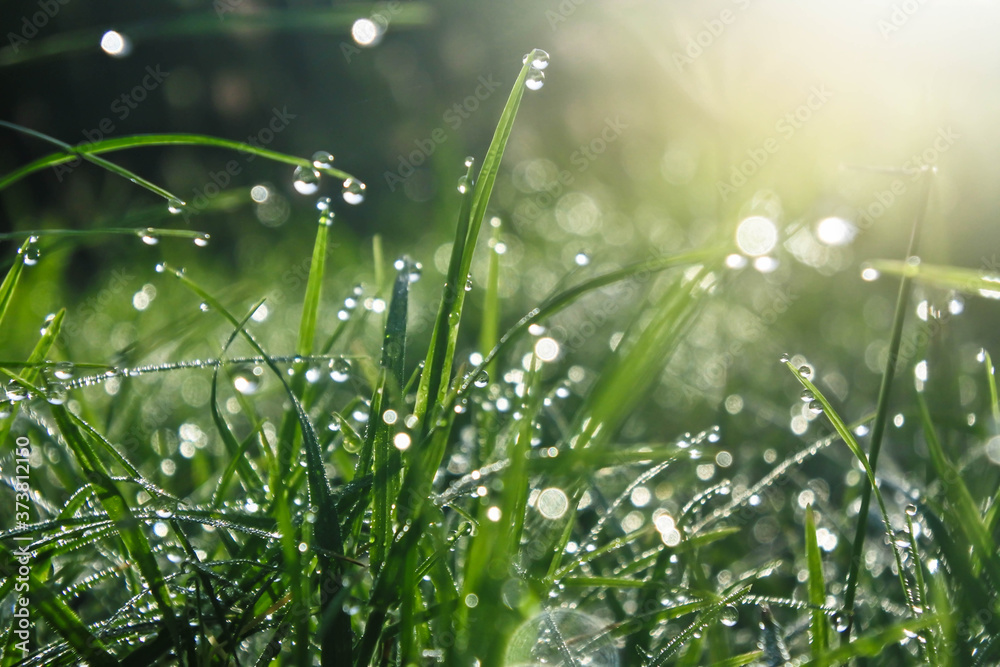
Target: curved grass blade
(71,153)
(845,434)
(969,281)
(11,280)
(873,643)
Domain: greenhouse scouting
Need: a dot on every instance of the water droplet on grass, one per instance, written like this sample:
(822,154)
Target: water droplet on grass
(164,512)
(816,407)
(482,379)
(353,191)
(313,375)
(911,510)
(539,59)
(56,394)
(31,253)
(63,370)
(246,381)
(306,180)
(340,370)
(535,80)
(807,396)
(729,616)
(840,621)
(785,358)
(468,285)
(806,371)
(582,259)
(463,184)
(322,159)
(416,270)
(323,204)
(202,241)
(15,392)
(469,161)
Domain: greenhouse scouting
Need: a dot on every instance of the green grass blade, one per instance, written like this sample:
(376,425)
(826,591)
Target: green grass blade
(969,281)
(437,367)
(845,434)
(882,414)
(58,615)
(11,280)
(961,509)
(817,588)
(71,153)
(873,643)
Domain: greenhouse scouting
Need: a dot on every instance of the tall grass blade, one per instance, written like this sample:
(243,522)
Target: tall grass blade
(817,588)
(882,416)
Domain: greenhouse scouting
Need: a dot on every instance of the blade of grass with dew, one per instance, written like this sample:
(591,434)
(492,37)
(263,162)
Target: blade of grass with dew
(58,615)
(961,509)
(88,233)
(882,414)
(336,640)
(386,457)
(845,434)
(874,643)
(440,354)
(306,339)
(32,368)
(969,281)
(817,588)
(11,280)
(71,153)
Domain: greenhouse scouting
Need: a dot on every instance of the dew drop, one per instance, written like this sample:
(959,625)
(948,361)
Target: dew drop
(322,159)
(582,259)
(313,375)
(31,253)
(869,273)
(806,371)
(469,161)
(15,392)
(164,513)
(911,510)
(63,370)
(539,59)
(463,184)
(840,622)
(807,396)
(306,180)
(416,270)
(535,80)
(204,307)
(246,381)
(353,191)
(202,241)
(468,285)
(149,237)
(326,219)
(323,204)
(56,394)
(785,358)
(816,407)
(340,370)
(730,615)
(482,379)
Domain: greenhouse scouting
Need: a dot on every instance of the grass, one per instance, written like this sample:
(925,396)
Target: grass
(367,497)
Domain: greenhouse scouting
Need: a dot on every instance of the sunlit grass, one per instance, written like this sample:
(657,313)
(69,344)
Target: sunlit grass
(369,497)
